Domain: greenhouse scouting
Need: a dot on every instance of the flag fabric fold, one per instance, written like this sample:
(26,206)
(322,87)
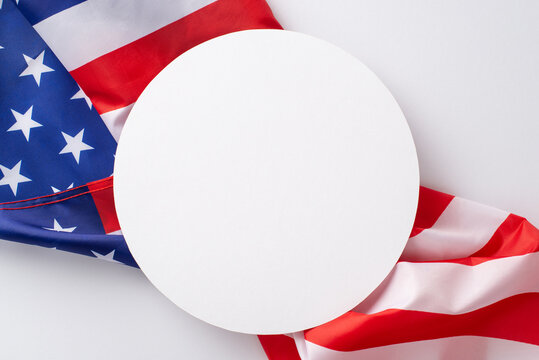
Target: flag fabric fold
(481,304)
(465,287)
(58,136)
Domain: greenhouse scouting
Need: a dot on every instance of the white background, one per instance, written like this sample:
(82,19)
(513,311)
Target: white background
(466,74)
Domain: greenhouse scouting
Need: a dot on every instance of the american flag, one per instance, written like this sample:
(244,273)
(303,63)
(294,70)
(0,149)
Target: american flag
(466,286)
(70,73)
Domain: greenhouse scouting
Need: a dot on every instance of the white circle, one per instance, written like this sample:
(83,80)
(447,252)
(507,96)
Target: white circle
(266,181)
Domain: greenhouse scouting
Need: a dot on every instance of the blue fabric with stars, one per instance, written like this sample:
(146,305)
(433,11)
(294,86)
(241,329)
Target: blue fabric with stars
(44,156)
(66,221)
(51,139)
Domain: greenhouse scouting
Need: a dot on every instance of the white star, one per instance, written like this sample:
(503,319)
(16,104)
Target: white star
(55,190)
(81,95)
(35,67)
(108,257)
(59,228)
(74,145)
(1,47)
(12,177)
(24,122)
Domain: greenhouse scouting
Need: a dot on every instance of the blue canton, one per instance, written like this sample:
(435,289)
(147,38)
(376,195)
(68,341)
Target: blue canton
(51,137)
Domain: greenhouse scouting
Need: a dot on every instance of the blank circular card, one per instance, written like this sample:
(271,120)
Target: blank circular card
(266,181)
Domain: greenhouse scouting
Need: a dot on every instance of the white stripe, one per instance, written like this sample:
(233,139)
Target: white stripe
(462,229)
(451,288)
(115,120)
(117,232)
(459,347)
(301,345)
(95,27)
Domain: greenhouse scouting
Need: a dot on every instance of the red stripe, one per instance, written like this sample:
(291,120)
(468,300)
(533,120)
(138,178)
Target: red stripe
(514,237)
(104,202)
(116,79)
(430,206)
(279,347)
(515,318)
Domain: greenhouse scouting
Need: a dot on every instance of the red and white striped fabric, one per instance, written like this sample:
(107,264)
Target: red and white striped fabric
(466,287)
(114,48)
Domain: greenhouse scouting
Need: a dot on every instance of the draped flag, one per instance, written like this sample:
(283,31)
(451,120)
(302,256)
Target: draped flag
(70,72)
(466,286)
